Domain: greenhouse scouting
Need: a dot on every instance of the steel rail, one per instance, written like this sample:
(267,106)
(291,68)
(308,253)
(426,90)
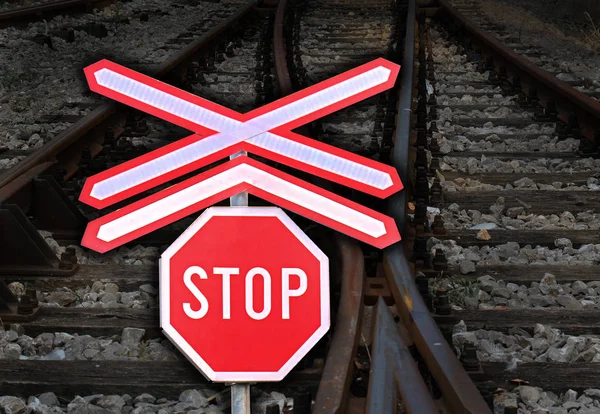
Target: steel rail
(89,131)
(394,368)
(400,153)
(337,375)
(279,50)
(458,390)
(567,99)
(36,12)
(334,386)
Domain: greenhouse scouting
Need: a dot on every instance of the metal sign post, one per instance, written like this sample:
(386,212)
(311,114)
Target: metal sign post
(240,393)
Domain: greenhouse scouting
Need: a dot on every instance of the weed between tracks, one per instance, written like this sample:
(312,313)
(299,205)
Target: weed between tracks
(520,19)
(458,289)
(591,37)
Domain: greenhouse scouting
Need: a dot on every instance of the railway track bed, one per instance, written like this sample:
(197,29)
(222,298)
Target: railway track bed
(495,284)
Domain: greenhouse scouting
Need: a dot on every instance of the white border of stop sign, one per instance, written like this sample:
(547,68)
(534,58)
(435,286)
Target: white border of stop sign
(187,349)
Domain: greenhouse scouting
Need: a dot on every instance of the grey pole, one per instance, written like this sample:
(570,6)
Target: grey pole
(240,393)
(240,199)
(240,398)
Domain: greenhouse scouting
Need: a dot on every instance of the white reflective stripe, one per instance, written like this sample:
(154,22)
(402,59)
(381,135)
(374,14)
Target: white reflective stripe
(234,131)
(321,99)
(318,158)
(227,179)
(168,162)
(315,202)
(169,205)
(162,100)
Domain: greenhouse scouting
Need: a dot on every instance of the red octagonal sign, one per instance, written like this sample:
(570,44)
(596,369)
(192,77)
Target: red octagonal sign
(244,294)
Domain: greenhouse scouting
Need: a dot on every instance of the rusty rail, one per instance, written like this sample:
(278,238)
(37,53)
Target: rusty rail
(334,387)
(337,375)
(89,131)
(394,368)
(567,99)
(458,390)
(279,50)
(19,15)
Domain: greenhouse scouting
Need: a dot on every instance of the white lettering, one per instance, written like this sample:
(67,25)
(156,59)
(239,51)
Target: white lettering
(226,272)
(187,279)
(250,293)
(286,292)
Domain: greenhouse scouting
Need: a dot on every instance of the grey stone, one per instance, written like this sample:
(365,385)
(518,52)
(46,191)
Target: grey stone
(91,399)
(541,300)
(578,287)
(131,337)
(113,351)
(108,297)
(584,400)
(27,346)
(111,288)
(563,354)
(145,398)
(486,346)
(471,303)
(587,304)
(35,407)
(548,284)
(12,351)
(483,296)
(461,338)
(90,353)
(63,298)
(48,398)
(545,401)
(44,342)
(516,304)
(97,287)
(569,302)
(12,405)
(193,397)
(111,402)
(529,395)
(466,266)
(589,410)
(487,283)
(11,336)
(562,243)
(592,392)
(56,354)
(502,292)
(589,354)
(570,395)
(507,250)
(149,289)
(539,345)
(460,327)
(62,338)
(571,404)
(17,288)
(498,301)
(18,328)
(579,342)
(513,212)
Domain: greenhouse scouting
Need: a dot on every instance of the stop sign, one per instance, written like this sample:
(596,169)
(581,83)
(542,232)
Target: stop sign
(244,294)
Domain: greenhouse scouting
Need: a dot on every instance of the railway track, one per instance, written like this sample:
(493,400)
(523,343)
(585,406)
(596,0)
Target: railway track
(18,15)
(92,321)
